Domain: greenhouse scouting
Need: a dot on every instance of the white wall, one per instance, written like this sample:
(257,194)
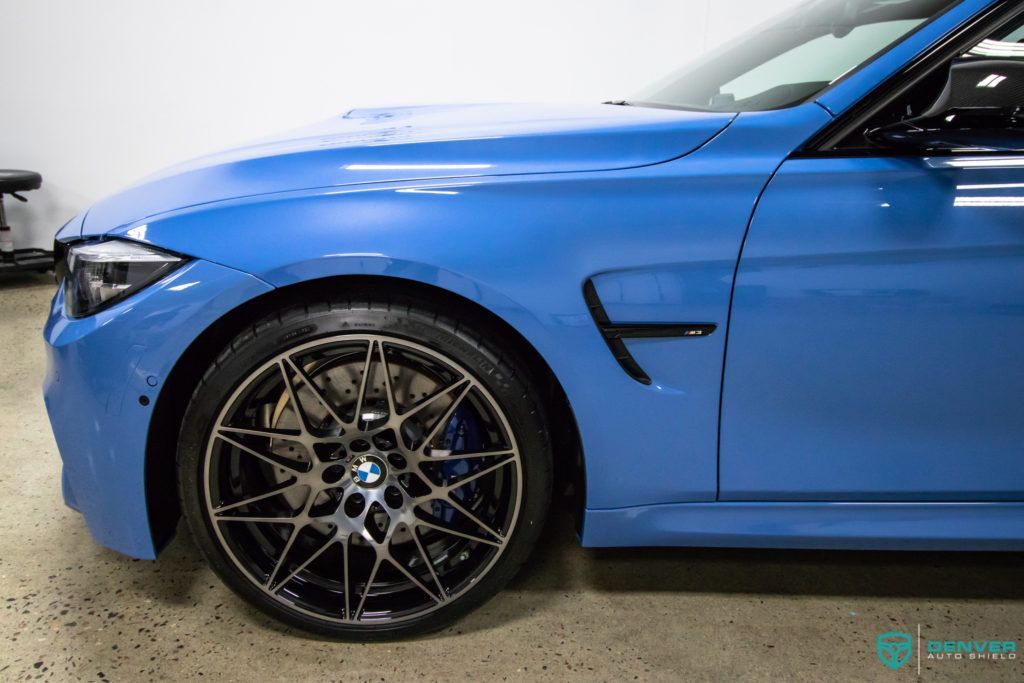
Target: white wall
(95,94)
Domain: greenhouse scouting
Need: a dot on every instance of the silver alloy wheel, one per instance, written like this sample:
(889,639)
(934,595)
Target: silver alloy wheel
(362,479)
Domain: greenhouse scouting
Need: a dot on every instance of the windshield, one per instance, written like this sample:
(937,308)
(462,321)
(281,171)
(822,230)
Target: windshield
(792,58)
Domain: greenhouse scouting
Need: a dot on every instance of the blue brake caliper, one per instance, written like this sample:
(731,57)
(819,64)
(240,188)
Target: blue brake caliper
(461,436)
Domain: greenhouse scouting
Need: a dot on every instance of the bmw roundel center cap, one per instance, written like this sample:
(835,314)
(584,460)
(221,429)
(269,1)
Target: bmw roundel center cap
(369,471)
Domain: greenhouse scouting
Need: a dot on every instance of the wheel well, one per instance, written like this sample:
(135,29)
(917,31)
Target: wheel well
(162,503)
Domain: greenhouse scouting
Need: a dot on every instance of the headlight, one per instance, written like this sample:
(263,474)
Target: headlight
(101,273)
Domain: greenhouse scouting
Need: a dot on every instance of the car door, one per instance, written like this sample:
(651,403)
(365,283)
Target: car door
(876,340)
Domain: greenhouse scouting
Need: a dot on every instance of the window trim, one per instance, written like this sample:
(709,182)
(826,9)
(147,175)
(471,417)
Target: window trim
(971,32)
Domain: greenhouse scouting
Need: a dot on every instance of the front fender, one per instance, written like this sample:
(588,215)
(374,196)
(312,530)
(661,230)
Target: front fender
(102,374)
(522,247)
(512,248)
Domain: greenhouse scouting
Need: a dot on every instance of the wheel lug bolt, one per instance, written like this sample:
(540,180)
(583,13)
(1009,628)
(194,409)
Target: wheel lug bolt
(393,497)
(354,505)
(333,474)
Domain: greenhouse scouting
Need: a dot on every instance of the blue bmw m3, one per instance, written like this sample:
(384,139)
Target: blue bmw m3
(774,300)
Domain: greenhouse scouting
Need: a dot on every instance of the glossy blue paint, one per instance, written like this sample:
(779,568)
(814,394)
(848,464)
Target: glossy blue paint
(479,238)
(874,345)
(97,368)
(72,228)
(514,207)
(839,526)
(410,143)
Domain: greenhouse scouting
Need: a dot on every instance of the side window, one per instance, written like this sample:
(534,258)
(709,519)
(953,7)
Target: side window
(973,103)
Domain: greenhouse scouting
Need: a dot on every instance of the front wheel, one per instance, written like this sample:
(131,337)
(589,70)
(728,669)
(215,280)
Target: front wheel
(365,470)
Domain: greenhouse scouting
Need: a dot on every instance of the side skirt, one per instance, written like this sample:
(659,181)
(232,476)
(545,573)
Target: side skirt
(863,526)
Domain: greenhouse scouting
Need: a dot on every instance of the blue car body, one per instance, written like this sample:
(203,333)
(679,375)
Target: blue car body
(861,386)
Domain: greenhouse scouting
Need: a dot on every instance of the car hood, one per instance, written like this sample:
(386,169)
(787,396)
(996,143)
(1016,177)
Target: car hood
(419,143)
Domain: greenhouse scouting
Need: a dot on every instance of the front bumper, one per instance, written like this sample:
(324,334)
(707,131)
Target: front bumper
(98,370)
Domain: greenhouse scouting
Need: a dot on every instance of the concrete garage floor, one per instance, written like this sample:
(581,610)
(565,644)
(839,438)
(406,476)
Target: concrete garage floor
(73,610)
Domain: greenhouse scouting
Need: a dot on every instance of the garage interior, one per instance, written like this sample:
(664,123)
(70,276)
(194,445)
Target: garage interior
(107,100)
(73,610)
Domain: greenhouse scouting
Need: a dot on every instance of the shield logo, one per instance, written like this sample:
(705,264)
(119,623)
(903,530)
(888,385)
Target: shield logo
(894,648)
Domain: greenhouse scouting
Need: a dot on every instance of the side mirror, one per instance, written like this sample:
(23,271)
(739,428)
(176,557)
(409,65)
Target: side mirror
(981,83)
(980,109)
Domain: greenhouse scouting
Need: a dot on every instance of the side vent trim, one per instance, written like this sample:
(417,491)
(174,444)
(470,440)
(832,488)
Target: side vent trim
(615,333)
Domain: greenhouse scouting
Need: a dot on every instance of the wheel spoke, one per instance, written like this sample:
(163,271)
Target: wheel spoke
(388,391)
(284,553)
(330,541)
(366,589)
(266,433)
(412,577)
(276,491)
(363,382)
(348,589)
(306,506)
(272,460)
(434,457)
(473,517)
(447,416)
(455,532)
(430,565)
(315,390)
(257,519)
(476,475)
(305,425)
(427,402)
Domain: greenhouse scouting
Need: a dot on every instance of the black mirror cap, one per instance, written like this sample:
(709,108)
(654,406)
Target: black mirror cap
(981,84)
(981,109)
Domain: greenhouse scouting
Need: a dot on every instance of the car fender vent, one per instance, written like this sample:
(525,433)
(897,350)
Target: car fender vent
(615,333)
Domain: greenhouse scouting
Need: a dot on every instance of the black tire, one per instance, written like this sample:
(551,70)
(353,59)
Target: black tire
(473,346)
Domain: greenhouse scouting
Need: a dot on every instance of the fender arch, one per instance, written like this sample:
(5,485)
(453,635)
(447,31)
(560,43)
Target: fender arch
(163,507)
